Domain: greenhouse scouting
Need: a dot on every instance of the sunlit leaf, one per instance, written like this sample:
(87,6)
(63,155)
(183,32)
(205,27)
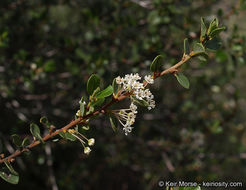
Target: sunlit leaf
(105,93)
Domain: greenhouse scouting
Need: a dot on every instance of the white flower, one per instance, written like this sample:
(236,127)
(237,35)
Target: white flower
(87,150)
(127,130)
(149,79)
(133,108)
(78,114)
(126,117)
(91,142)
(151,104)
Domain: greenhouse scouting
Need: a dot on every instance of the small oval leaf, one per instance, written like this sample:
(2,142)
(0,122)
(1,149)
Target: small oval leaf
(203,29)
(36,131)
(10,178)
(212,26)
(25,142)
(105,93)
(16,140)
(216,31)
(198,47)
(183,80)
(213,44)
(93,83)
(98,102)
(156,63)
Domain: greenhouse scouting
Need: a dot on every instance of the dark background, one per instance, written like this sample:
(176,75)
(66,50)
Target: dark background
(48,49)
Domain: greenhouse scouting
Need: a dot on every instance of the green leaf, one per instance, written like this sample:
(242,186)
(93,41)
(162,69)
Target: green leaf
(91,109)
(10,178)
(25,142)
(198,47)
(67,136)
(105,93)
(203,29)
(93,83)
(16,140)
(216,31)
(183,80)
(70,136)
(202,58)
(140,102)
(36,132)
(199,50)
(95,91)
(113,123)
(115,87)
(156,63)
(82,106)
(98,102)
(43,120)
(62,135)
(213,25)
(50,66)
(186,47)
(11,169)
(213,44)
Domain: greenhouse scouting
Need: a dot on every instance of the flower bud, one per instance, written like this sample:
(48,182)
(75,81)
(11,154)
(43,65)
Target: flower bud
(78,114)
(87,150)
(91,142)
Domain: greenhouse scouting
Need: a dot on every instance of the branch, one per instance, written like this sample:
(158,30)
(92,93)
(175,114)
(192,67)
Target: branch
(80,120)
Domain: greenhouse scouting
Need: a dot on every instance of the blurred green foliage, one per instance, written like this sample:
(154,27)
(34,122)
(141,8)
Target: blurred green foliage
(48,50)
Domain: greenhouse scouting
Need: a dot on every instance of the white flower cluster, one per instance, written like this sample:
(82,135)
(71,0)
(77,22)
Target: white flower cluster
(126,117)
(130,83)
